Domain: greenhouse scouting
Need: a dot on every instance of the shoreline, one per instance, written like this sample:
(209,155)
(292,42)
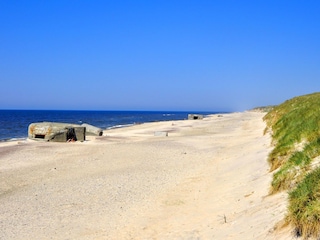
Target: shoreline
(117,126)
(207,179)
(17,126)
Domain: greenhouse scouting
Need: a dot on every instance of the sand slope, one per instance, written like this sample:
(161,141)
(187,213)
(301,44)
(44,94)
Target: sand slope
(208,179)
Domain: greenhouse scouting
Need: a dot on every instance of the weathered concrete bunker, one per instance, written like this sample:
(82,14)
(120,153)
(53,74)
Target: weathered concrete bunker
(195,117)
(61,132)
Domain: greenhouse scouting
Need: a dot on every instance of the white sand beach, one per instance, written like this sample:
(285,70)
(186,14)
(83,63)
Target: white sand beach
(208,179)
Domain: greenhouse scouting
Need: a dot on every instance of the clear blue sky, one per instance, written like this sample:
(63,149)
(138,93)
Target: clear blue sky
(157,55)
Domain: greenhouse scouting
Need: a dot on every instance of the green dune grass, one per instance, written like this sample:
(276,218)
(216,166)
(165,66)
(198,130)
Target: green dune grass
(295,129)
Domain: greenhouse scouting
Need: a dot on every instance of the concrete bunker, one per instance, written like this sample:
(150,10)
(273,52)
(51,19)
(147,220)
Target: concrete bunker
(61,132)
(195,116)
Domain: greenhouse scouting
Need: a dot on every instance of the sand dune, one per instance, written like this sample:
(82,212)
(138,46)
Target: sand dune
(208,179)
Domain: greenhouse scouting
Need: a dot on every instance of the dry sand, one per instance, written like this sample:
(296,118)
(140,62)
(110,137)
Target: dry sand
(208,179)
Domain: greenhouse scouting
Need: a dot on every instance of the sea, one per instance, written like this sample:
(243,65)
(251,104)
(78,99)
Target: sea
(14,123)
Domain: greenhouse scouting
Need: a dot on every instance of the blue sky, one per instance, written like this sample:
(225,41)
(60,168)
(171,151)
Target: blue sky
(157,55)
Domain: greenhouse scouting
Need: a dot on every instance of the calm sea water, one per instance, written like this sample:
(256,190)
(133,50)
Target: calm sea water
(14,123)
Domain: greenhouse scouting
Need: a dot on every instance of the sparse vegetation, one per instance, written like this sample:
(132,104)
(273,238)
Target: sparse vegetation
(264,108)
(295,127)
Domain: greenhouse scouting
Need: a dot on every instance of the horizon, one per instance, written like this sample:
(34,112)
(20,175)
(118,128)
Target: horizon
(97,110)
(136,56)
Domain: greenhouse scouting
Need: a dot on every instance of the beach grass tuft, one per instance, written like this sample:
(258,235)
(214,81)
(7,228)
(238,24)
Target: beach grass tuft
(295,130)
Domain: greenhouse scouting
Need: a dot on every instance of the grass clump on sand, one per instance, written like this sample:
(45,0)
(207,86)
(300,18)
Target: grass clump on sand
(295,127)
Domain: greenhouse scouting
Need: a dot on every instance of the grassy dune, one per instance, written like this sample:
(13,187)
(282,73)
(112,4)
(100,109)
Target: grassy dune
(295,160)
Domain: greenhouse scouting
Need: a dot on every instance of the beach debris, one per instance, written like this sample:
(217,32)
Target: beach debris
(161,133)
(61,132)
(224,218)
(195,116)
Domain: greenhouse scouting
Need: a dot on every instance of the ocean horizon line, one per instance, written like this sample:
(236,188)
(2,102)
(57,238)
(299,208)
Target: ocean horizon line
(116,110)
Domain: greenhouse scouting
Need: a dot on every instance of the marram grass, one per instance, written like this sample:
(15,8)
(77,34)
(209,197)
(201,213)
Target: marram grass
(304,207)
(295,129)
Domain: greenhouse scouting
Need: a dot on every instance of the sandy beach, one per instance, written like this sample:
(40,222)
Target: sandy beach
(208,179)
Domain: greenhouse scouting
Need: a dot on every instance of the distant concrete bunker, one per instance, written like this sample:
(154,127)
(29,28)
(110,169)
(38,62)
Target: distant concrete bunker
(195,116)
(61,132)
